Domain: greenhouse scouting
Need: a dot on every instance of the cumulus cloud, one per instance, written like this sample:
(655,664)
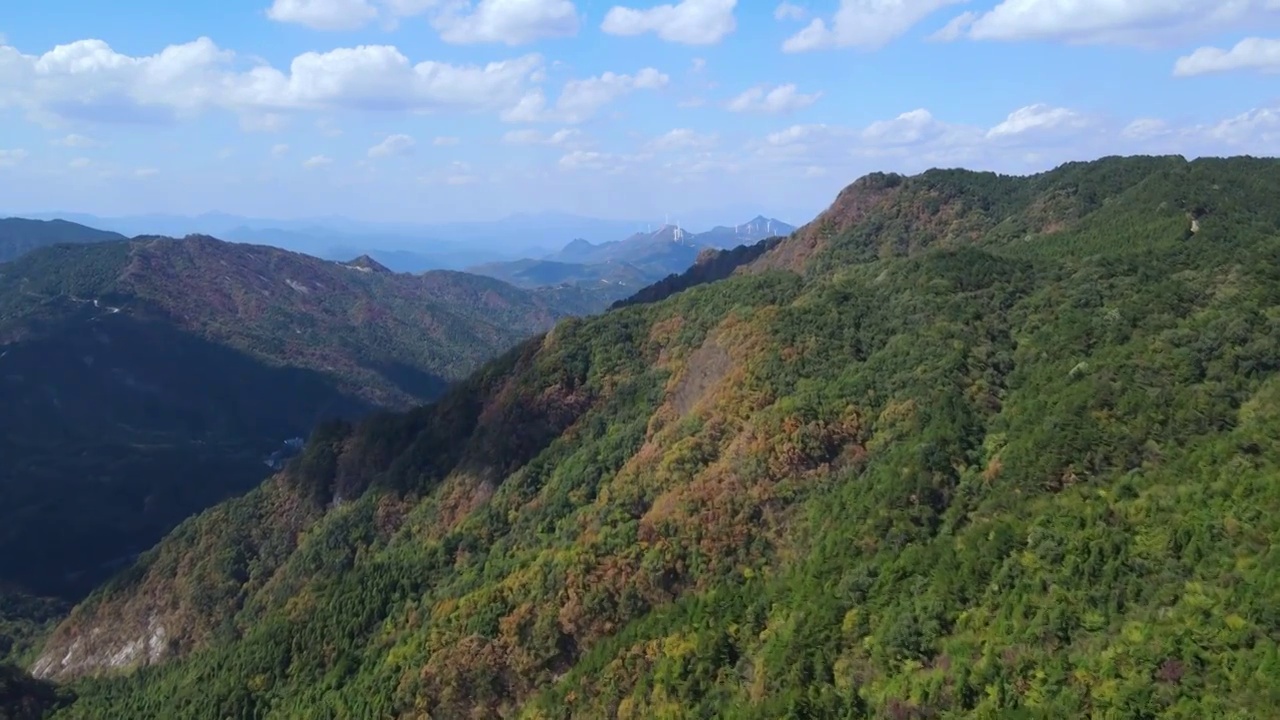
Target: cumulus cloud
(80,163)
(445,141)
(279,150)
(864,24)
(146,172)
(1028,139)
(1256,132)
(580,100)
(316,161)
(1260,54)
(510,22)
(587,160)
(780,99)
(324,14)
(1145,129)
(394,145)
(909,127)
(379,77)
(87,80)
(955,28)
(690,22)
(1112,21)
(1038,120)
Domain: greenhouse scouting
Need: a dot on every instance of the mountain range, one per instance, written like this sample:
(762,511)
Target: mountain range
(404,247)
(19,236)
(966,445)
(147,379)
(622,267)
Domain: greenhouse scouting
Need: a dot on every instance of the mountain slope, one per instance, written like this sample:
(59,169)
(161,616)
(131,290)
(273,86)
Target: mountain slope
(146,380)
(667,250)
(19,236)
(967,446)
(753,231)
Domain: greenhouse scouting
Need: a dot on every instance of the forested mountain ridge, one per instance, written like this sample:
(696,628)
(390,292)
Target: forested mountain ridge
(287,308)
(965,446)
(145,380)
(19,236)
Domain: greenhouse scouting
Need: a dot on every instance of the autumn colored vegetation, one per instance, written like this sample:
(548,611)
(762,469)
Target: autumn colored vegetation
(146,380)
(966,446)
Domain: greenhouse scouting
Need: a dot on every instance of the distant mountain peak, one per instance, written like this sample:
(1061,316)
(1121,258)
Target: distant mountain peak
(365,263)
(578,244)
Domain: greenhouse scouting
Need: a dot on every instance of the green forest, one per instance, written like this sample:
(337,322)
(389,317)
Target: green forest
(966,446)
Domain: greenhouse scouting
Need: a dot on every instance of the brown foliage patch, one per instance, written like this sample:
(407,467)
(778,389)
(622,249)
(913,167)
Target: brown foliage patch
(851,206)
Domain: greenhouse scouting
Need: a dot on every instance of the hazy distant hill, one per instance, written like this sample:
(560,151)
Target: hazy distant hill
(144,380)
(531,273)
(18,236)
(748,233)
(449,245)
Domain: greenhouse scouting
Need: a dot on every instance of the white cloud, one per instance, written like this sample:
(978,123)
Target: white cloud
(316,161)
(531,136)
(145,172)
(586,160)
(1029,139)
(781,99)
(955,28)
(80,163)
(1256,131)
(445,141)
(1038,120)
(1145,129)
(909,127)
(582,99)
(864,24)
(690,22)
(87,80)
(511,22)
(1252,53)
(76,141)
(324,14)
(379,77)
(9,158)
(682,139)
(397,145)
(1112,21)
(279,150)
(787,11)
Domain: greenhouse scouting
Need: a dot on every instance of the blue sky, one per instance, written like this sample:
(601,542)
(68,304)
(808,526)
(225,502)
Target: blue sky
(425,110)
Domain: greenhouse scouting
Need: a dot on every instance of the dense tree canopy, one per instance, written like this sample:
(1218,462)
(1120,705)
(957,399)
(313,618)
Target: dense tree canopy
(967,446)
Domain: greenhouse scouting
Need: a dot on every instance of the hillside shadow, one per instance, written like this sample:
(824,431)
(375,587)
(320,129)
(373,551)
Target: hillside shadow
(118,428)
(411,380)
